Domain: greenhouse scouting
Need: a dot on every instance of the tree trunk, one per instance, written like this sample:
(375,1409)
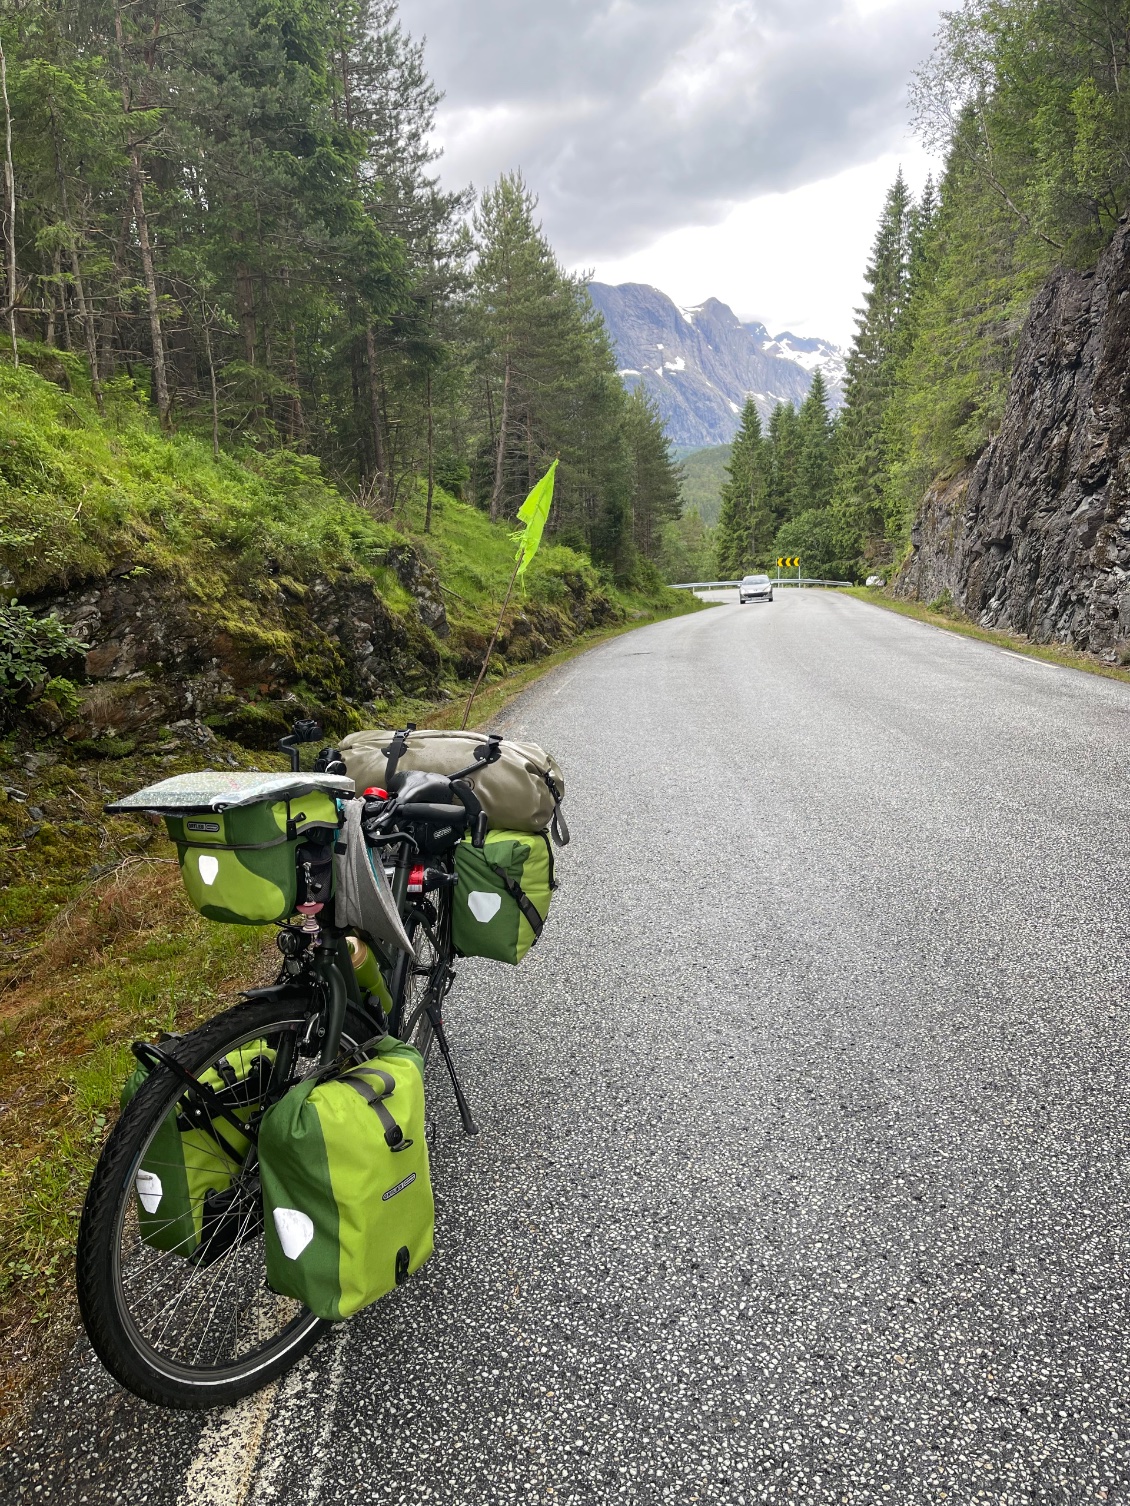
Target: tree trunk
(109,318)
(160,380)
(57,265)
(245,297)
(137,199)
(375,414)
(500,453)
(297,417)
(10,208)
(212,383)
(86,313)
(431,459)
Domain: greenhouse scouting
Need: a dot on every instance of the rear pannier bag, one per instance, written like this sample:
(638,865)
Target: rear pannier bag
(187,1164)
(251,846)
(522,791)
(501,901)
(347,1194)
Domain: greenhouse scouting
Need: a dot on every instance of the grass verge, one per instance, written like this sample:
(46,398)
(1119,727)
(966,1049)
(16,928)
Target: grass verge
(953,623)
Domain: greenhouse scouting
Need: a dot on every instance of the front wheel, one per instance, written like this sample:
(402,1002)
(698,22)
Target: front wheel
(177,1307)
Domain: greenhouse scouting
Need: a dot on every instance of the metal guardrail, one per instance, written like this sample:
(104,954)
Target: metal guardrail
(718,585)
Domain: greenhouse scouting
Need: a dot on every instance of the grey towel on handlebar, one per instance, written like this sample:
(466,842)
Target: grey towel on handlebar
(363,900)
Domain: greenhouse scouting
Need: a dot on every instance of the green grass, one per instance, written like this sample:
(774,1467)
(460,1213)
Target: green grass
(949,618)
(241,540)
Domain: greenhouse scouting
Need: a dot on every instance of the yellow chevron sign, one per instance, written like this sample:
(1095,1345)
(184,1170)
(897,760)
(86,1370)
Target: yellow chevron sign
(789,563)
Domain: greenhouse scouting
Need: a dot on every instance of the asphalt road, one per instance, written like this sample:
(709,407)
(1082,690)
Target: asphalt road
(804,1170)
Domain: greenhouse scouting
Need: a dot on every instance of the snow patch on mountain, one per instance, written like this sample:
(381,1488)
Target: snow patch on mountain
(719,360)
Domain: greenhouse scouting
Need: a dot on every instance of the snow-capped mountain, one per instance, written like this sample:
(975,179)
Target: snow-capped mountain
(812,354)
(701,363)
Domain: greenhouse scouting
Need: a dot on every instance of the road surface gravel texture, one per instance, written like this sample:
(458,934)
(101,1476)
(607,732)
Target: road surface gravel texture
(803,1172)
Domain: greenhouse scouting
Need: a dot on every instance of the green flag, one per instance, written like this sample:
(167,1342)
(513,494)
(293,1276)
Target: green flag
(533,512)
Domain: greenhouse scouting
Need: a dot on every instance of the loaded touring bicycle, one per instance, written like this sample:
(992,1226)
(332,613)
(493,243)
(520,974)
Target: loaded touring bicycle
(269,1171)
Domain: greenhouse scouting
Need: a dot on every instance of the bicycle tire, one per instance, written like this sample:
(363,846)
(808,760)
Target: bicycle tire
(107,1243)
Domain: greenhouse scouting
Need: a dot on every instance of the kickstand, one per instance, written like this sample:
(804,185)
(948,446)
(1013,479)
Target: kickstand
(469,1125)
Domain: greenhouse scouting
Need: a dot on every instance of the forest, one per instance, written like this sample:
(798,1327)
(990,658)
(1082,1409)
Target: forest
(1026,104)
(228,211)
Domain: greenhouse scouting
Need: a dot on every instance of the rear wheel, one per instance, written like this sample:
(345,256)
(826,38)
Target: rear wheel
(197,1325)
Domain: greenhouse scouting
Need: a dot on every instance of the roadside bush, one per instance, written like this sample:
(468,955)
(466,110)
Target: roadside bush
(30,648)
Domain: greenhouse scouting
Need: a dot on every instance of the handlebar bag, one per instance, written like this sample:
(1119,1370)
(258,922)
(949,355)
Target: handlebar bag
(251,846)
(522,791)
(246,866)
(501,902)
(347,1193)
(189,1161)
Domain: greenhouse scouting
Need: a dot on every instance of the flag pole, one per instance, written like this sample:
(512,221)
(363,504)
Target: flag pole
(490,646)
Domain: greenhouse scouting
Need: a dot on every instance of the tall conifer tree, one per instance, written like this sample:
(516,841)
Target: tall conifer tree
(744,524)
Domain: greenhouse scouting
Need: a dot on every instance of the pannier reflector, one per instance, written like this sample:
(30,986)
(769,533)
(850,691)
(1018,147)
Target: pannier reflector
(483,906)
(208,867)
(295,1230)
(149,1190)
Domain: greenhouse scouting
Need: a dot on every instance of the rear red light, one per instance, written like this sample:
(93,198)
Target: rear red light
(416,879)
(374,792)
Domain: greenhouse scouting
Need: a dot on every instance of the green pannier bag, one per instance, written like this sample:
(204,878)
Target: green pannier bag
(242,865)
(252,845)
(347,1194)
(501,901)
(185,1163)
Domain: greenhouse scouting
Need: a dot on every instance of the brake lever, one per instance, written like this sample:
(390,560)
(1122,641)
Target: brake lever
(476,816)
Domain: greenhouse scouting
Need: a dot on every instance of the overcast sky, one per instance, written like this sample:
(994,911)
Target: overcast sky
(738,149)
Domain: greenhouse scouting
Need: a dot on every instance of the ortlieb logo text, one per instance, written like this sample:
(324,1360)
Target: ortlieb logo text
(400,1186)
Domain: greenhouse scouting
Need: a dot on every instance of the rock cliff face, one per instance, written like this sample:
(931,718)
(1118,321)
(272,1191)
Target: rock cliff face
(1035,537)
(155,655)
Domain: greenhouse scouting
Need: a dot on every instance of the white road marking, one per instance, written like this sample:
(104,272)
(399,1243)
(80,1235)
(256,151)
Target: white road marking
(302,1395)
(1030,659)
(228,1452)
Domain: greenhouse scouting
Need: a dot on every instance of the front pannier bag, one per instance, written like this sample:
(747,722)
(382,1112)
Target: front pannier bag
(502,898)
(187,1164)
(347,1195)
(251,846)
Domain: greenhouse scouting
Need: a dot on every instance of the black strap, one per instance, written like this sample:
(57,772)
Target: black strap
(522,900)
(558,825)
(394,1135)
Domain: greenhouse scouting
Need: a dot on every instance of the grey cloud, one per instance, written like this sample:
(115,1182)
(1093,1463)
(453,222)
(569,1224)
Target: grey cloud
(631,117)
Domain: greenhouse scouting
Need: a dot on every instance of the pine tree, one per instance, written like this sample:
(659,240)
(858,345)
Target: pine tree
(521,299)
(654,474)
(815,474)
(744,524)
(872,369)
(784,441)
